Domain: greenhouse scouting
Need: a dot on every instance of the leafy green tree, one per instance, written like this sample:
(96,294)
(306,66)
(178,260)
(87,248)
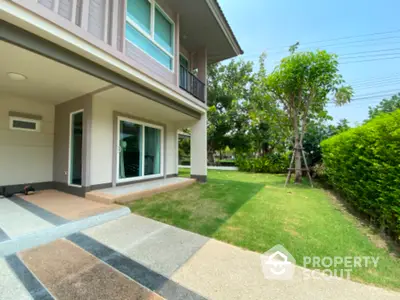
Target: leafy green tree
(269,130)
(385,106)
(228,86)
(317,132)
(342,126)
(303,84)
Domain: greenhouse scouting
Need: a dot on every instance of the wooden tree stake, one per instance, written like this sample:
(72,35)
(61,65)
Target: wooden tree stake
(291,169)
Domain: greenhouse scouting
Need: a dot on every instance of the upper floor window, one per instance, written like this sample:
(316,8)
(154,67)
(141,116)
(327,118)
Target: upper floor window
(149,28)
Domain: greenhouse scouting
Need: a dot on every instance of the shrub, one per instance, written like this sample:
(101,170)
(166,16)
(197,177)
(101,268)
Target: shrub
(226,163)
(185,163)
(272,163)
(363,164)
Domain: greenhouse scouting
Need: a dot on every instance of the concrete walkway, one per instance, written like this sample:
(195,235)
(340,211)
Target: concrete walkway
(134,257)
(213,269)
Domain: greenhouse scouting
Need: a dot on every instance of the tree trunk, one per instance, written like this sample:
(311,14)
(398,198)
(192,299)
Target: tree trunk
(297,160)
(297,149)
(211,157)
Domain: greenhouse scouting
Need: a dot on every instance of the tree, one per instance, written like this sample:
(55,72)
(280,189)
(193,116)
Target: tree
(268,128)
(303,84)
(342,126)
(228,85)
(318,131)
(385,106)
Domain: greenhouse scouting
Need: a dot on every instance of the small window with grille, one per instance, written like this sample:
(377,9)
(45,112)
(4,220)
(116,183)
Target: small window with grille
(24,124)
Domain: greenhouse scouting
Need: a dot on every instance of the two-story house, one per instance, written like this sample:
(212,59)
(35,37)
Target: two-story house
(93,92)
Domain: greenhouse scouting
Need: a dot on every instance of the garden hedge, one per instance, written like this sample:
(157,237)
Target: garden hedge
(363,164)
(272,163)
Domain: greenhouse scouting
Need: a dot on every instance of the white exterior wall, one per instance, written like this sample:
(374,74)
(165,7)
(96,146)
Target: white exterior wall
(171,146)
(198,147)
(102,140)
(26,157)
(101,144)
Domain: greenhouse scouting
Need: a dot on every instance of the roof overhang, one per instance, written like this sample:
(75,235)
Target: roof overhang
(204,25)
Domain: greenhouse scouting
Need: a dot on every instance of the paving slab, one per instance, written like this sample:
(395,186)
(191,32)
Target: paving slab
(67,206)
(11,287)
(134,270)
(69,272)
(123,233)
(16,221)
(41,237)
(222,271)
(158,246)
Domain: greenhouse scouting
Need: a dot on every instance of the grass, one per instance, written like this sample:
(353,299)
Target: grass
(255,211)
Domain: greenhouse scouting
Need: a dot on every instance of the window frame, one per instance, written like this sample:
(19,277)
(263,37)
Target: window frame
(154,5)
(143,124)
(188,61)
(36,122)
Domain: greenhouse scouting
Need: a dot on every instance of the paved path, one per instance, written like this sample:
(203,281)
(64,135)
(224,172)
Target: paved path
(138,258)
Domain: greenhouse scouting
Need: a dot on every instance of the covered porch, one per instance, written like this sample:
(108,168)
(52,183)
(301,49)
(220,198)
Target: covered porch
(65,121)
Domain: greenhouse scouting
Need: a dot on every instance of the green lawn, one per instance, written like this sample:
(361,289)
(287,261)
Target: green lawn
(255,211)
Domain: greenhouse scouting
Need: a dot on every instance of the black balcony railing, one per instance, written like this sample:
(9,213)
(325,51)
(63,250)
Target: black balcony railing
(191,84)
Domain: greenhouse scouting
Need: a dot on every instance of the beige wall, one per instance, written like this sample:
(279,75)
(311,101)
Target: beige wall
(102,138)
(101,151)
(198,148)
(26,157)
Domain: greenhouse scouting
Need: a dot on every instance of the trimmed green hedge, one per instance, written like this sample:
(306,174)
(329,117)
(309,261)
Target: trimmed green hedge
(363,164)
(273,163)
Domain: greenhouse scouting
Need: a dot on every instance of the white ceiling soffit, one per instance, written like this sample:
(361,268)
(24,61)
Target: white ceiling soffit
(47,80)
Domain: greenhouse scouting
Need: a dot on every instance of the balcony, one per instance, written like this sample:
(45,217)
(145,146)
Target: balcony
(191,84)
(102,24)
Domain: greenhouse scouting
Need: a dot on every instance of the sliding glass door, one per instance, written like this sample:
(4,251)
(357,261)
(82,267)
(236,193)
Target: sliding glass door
(140,150)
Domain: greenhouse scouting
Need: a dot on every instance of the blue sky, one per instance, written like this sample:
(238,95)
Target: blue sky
(270,25)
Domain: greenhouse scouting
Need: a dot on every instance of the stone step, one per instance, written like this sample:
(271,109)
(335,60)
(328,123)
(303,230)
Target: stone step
(129,193)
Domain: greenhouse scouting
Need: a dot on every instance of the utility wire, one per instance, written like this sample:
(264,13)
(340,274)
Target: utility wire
(368,60)
(339,39)
(373,51)
(380,92)
(377,55)
(375,79)
(381,96)
(361,43)
(384,80)
(378,85)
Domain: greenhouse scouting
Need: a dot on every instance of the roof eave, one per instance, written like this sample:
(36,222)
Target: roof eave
(223,22)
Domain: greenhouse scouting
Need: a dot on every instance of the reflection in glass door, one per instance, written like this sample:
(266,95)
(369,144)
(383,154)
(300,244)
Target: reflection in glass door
(140,150)
(75,148)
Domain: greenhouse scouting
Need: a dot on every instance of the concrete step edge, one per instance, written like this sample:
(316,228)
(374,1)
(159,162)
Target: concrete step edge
(48,235)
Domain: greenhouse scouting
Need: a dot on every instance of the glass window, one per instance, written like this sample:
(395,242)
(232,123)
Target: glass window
(149,28)
(184,62)
(147,46)
(130,150)
(140,12)
(163,31)
(152,151)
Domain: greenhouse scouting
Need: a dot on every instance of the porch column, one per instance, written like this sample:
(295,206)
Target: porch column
(198,149)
